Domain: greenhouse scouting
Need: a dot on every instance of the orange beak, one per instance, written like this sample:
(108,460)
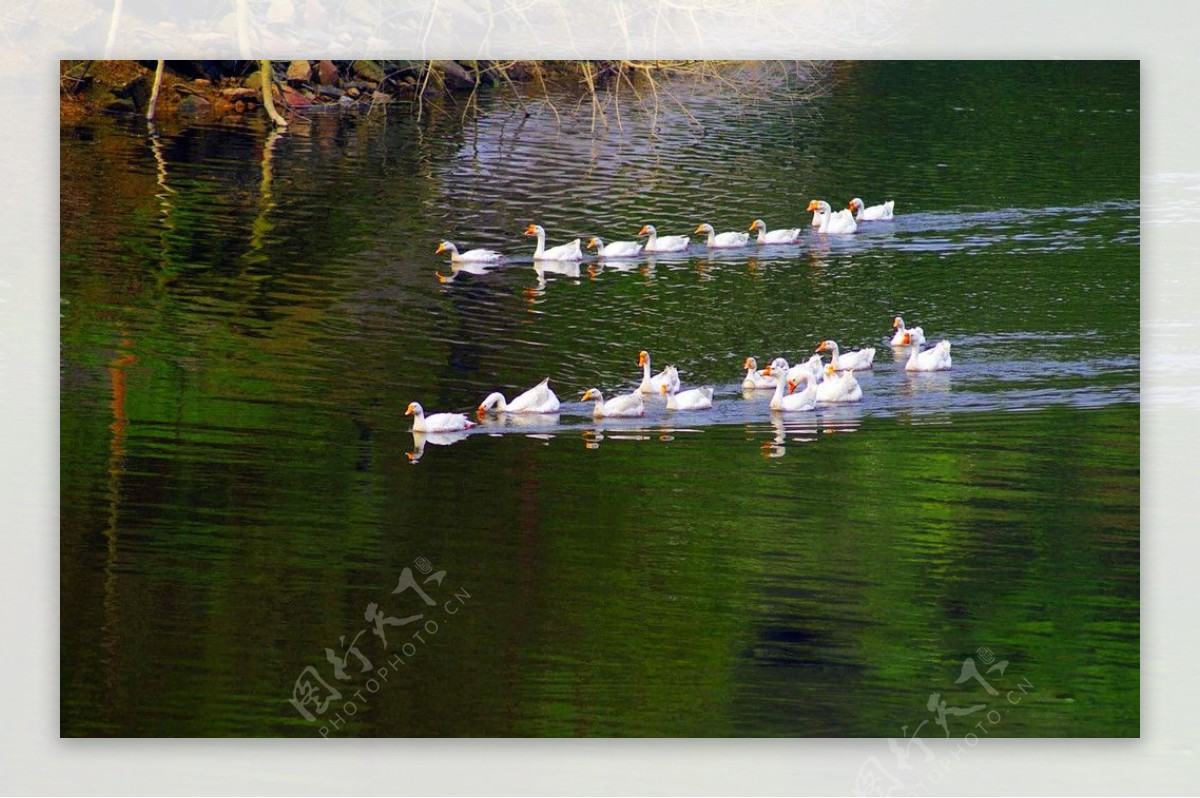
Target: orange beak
(645,231)
(792,386)
(592,243)
(851,205)
(531,230)
(480,411)
(753,226)
(812,206)
(766,372)
(641,358)
(820,347)
(747,365)
(586,394)
(441,248)
(700,229)
(895,323)
(409,411)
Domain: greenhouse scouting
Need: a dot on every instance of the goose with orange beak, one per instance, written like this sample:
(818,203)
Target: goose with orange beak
(786,400)
(628,405)
(876,213)
(935,359)
(840,222)
(470,256)
(694,399)
(858,360)
(569,251)
(538,399)
(653,384)
(438,422)
(757,380)
(786,236)
(715,240)
(656,243)
(616,250)
(900,338)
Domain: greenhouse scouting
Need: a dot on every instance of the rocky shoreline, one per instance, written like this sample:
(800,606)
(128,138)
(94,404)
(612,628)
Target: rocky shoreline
(224,88)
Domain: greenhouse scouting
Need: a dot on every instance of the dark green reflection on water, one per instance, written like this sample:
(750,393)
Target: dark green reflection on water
(245,319)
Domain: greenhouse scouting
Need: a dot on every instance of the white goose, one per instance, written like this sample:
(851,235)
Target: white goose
(569,251)
(840,222)
(786,236)
(858,360)
(899,338)
(935,359)
(723,240)
(694,399)
(756,380)
(873,214)
(625,406)
(470,256)
(617,249)
(786,401)
(839,388)
(664,244)
(655,383)
(438,422)
(538,399)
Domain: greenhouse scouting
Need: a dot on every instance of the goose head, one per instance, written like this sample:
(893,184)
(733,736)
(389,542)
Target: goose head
(590,393)
(595,243)
(643,357)
(535,230)
(897,323)
(414,409)
(819,205)
(647,230)
(855,204)
(757,224)
(446,246)
(705,228)
(750,363)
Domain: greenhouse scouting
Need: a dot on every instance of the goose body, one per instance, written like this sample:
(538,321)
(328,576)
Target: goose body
(617,249)
(654,243)
(838,223)
(839,387)
(438,422)
(470,256)
(785,236)
(756,380)
(900,337)
(538,399)
(934,359)
(875,213)
(787,401)
(722,240)
(569,251)
(653,384)
(628,405)
(694,399)
(858,360)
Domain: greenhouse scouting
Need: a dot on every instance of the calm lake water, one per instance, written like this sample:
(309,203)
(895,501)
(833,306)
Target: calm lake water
(246,316)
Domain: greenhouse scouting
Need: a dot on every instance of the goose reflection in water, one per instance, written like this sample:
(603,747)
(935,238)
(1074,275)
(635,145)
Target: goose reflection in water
(802,430)
(436,438)
(458,269)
